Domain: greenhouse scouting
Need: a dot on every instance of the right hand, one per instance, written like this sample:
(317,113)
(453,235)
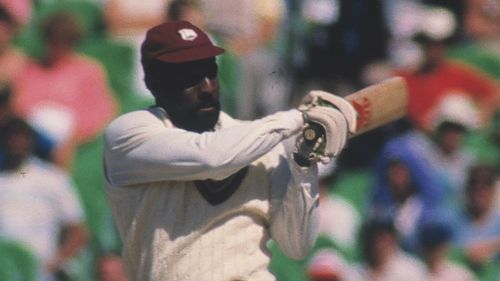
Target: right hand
(333,118)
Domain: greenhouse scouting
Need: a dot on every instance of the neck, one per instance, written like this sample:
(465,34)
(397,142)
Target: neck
(52,59)
(432,264)
(401,197)
(429,66)
(478,215)
(12,164)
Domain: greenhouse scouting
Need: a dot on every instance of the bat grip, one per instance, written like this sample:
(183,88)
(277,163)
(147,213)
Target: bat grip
(311,134)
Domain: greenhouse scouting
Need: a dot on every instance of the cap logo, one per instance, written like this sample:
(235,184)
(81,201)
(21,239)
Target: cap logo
(188,34)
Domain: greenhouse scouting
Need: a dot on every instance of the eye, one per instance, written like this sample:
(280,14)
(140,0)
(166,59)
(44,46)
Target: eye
(193,81)
(212,72)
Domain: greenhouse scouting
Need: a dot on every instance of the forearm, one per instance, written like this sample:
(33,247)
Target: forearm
(295,222)
(140,155)
(75,239)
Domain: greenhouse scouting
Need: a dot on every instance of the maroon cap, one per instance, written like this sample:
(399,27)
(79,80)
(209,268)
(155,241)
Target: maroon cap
(177,41)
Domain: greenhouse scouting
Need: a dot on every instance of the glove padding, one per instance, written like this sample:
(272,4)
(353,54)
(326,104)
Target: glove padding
(336,116)
(322,98)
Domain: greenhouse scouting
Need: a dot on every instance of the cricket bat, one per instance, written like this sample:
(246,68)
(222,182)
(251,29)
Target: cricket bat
(377,105)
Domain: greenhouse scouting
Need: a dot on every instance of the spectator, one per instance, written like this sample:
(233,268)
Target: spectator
(482,49)
(478,228)
(437,162)
(127,21)
(406,189)
(64,94)
(482,30)
(12,59)
(37,202)
(455,117)
(382,258)
(437,77)
(481,21)
(21,10)
(43,147)
(110,268)
(188,10)
(434,242)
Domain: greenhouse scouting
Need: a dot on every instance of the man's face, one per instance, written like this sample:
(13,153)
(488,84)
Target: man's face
(384,244)
(480,198)
(192,99)
(450,140)
(18,147)
(399,181)
(196,108)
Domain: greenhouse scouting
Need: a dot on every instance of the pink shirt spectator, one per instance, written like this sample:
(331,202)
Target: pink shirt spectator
(20,9)
(76,92)
(12,64)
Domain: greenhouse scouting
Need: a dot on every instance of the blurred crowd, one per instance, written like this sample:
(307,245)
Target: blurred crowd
(418,199)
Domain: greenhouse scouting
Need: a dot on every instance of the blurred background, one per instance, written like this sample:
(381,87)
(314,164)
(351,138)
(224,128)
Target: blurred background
(417,199)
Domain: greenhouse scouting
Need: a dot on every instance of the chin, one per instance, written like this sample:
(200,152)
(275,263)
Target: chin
(207,121)
(194,120)
(198,122)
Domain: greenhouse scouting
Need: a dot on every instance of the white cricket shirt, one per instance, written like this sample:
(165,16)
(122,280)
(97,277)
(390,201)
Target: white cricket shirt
(171,232)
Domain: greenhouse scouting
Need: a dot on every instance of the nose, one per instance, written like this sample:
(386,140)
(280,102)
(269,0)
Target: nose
(207,85)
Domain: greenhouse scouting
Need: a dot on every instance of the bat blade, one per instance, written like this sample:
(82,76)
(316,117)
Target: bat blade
(379,104)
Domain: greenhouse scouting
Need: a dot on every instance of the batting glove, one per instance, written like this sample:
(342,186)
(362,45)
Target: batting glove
(329,119)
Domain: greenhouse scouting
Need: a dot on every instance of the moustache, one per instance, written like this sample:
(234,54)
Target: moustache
(207,104)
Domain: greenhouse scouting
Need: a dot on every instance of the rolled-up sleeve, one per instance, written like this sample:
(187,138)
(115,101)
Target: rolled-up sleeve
(294,211)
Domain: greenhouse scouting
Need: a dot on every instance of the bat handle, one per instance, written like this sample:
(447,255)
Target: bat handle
(312,133)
